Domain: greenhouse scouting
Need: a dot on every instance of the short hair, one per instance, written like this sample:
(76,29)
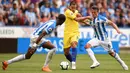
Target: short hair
(94,7)
(61,17)
(73,2)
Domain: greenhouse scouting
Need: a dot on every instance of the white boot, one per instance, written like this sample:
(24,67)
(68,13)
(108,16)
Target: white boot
(73,65)
(94,65)
(124,66)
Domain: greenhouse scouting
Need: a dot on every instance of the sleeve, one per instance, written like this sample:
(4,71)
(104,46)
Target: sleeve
(49,29)
(105,20)
(70,14)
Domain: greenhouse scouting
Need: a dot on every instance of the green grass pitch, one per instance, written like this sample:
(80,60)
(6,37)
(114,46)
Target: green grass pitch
(34,65)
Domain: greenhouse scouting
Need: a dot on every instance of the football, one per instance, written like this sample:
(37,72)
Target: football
(64,65)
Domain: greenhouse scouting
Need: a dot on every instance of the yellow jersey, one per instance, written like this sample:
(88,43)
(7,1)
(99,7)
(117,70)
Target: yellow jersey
(70,24)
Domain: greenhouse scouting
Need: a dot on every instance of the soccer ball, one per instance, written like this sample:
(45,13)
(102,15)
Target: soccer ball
(64,65)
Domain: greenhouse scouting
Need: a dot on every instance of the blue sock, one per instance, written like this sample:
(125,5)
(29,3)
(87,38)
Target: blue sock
(74,54)
(69,57)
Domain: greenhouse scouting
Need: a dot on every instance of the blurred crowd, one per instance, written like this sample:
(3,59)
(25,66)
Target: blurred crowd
(32,12)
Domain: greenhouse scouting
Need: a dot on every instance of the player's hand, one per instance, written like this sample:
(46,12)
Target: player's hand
(89,17)
(119,32)
(34,45)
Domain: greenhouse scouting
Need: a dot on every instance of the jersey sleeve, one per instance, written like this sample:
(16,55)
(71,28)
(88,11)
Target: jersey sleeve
(105,19)
(70,14)
(49,28)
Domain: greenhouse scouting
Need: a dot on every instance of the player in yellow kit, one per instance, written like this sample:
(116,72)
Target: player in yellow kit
(71,32)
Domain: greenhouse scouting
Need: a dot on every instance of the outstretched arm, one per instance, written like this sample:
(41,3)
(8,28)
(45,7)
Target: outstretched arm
(114,26)
(77,17)
(80,19)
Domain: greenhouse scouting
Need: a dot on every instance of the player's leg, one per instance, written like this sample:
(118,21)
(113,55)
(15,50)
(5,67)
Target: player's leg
(74,50)
(117,57)
(108,46)
(67,54)
(74,54)
(19,58)
(74,42)
(49,56)
(88,46)
(66,42)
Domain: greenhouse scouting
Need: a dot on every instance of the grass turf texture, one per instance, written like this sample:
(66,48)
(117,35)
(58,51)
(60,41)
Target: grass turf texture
(34,65)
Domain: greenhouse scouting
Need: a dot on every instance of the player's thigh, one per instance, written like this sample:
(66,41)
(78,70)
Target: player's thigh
(46,44)
(107,45)
(66,42)
(74,38)
(94,42)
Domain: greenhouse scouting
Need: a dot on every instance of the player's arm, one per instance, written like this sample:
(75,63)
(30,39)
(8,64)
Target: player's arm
(80,19)
(114,26)
(38,39)
(46,31)
(41,36)
(76,17)
(84,22)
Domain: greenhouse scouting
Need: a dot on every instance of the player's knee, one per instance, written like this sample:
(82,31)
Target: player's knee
(73,44)
(51,47)
(27,56)
(87,46)
(111,53)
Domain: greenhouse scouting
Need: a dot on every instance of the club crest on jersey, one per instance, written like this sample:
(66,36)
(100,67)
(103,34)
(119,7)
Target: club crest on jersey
(50,29)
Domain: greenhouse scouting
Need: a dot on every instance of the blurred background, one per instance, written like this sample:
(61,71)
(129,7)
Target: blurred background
(18,19)
(32,12)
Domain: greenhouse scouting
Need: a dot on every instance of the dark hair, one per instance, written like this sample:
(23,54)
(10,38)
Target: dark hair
(72,2)
(61,17)
(94,7)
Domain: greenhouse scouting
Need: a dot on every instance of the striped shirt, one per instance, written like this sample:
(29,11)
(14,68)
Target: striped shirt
(98,25)
(48,27)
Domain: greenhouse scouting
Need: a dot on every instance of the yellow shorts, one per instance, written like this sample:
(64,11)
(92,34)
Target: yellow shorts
(69,38)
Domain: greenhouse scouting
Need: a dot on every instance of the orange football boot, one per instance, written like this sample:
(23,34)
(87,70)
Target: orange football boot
(5,65)
(46,69)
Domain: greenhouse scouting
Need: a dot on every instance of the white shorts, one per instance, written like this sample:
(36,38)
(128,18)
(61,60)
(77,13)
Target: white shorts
(34,38)
(106,44)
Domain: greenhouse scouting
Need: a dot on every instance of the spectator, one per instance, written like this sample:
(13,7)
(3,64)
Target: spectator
(36,7)
(13,20)
(110,8)
(128,18)
(45,12)
(62,7)
(54,10)
(21,4)
(42,3)
(1,20)
(31,16)
(22,18)
(116,17)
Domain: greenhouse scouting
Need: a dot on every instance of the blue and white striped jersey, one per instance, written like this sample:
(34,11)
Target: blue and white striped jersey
(98,25)
(47,26)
